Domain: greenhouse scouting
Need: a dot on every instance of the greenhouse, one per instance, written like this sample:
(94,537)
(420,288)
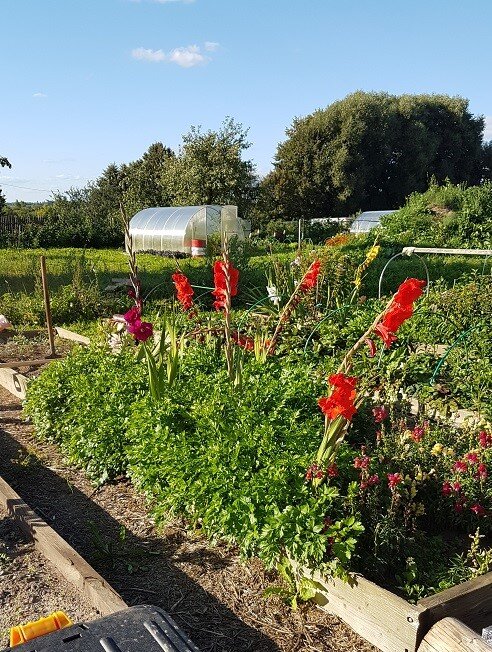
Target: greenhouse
(184,229)
(367,221)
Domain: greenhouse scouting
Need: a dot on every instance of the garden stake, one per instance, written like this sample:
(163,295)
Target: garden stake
(47,308)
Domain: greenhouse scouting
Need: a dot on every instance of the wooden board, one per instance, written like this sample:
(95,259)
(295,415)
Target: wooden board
(28,363)
(66,560)
(381,617)
(70,335)
(15,382)
(451,635)
(470,602)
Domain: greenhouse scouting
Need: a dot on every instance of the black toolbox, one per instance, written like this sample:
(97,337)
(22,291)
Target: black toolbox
(136,629)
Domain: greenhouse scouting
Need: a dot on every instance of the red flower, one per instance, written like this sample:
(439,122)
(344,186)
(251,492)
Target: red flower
(460,466)
(409,291)
(472,458)
(341,400)
(184,289)
(243,341)
(387,337)
(396,315)
(332,471)
(224,272)
(456,486)
(485,439)
(310,277)
(478,509)
(458,506)
(446,489)
(371,346)
(362,462)
(418,433)
(394,479)
(133,314)
(481,472)
(380,413)
(141,330)
(314,471)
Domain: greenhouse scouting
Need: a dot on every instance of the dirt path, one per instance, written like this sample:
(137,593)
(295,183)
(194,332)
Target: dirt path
(215,597)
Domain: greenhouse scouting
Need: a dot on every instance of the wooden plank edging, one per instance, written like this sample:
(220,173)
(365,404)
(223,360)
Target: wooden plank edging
(70,335)
(60,554)
(451,635)
(14,382)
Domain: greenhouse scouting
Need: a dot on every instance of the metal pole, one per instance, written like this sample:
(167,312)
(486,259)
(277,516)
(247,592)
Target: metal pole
(47,308)
(299,237)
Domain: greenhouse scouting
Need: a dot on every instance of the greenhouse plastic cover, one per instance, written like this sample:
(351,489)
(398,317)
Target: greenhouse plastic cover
(367,221)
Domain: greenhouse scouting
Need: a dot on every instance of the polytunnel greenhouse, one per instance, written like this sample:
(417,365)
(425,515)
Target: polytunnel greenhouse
(184,229)
(367,221)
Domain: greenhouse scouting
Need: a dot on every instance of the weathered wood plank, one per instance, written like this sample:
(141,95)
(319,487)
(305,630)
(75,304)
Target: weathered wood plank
(470,602)
(27,363)
(15,382)
(381,617)
(66,560)
(451,635)
(70,335)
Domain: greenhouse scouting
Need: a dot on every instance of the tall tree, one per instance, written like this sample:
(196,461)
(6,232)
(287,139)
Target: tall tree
(3,163)
(144,185)
(209,169)
(371,150)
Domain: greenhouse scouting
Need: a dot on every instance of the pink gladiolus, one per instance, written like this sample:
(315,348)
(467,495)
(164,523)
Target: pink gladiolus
(394,479)
(460,466)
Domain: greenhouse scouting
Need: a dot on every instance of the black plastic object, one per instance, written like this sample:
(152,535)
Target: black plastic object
(137,629)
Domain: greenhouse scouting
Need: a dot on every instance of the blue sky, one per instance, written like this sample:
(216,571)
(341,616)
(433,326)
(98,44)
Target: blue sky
(85,83)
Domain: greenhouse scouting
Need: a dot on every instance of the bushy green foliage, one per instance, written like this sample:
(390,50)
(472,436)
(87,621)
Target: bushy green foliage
(443,216)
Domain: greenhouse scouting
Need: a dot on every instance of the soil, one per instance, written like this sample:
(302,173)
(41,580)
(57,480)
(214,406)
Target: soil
(213,595)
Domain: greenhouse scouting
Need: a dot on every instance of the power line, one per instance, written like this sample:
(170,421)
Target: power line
(11,185)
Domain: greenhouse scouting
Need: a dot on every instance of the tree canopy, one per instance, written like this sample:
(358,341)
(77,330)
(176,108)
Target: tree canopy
(371,150)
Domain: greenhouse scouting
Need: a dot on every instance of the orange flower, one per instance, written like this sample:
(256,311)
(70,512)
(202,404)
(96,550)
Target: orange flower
(184,289)
(310,277)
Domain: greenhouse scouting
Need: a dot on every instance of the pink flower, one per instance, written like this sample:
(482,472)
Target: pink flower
(141,330)
(133,314)
(394,479)
(484,439)
(332,471)
(460,466)
(446,489)
(478,509)
(371,346)
(481,472)
(456,486)
(472,458)
(362,462)
(373,480)
(418,433)
(380,413)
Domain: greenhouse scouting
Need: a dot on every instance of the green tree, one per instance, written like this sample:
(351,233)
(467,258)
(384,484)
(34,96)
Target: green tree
(209,169)
(144,179)
(371,150)
(3,163)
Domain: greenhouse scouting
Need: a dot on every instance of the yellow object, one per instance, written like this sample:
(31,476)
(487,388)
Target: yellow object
(22,633)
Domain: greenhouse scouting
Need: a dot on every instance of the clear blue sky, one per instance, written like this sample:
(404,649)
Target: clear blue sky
(85,83)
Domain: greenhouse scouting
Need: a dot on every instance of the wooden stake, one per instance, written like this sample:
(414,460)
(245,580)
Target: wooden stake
(47,308)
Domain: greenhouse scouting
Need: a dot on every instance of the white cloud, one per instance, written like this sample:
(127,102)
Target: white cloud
(37,95)
(145,54)
(186,57)
(211,46)
(487,134)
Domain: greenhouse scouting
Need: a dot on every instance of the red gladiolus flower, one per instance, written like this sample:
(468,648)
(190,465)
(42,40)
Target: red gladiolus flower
(387,336)
(472,458)
(343,382)
(222,272)
(460,466)
(478,509)
(310,277)
(380,413)
(484,439)
(396,315)
(394,479)
(133,314)
(184,290)
(141,330)
(446,489)
(409,291)
(371,346)
(341,400)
